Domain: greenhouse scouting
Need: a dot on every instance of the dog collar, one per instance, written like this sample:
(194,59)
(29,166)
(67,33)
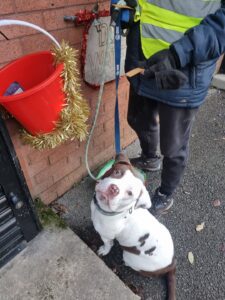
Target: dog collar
(108,213)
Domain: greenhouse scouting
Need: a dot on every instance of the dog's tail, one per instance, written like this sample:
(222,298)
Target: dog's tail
(171,282)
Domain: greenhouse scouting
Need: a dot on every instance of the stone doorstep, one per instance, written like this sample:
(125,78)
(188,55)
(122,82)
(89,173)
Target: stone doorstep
(57,265)
(219,81)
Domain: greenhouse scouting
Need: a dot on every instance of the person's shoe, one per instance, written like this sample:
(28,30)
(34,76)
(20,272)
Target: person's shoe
(161,203)
(146,164)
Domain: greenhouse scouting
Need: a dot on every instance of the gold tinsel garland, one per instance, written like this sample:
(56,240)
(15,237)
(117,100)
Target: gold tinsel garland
(74,115)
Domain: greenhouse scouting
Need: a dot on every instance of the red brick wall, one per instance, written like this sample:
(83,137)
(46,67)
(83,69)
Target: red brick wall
(50,173)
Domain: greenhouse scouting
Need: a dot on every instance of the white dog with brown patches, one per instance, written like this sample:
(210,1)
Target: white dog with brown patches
(119,210)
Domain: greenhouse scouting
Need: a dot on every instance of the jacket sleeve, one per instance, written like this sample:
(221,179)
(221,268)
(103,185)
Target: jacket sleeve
(203,42)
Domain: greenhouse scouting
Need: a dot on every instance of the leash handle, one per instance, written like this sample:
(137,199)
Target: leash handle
(134,72)
(117,39)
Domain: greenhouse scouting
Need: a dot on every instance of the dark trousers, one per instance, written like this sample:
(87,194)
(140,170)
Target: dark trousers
(154,123)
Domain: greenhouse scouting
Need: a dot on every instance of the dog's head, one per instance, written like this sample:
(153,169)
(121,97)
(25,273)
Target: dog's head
(121,187)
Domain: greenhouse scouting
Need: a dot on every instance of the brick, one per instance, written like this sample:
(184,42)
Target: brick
(2,38)
(104,117)
(41,187)
(35,168)
(54,18)
(24,5)
(74,160)
(92,102)
(128,142)
(97,133)
(128,136)
(37,155)
(103,157)
(14,131)
(15,31)
(108,141)
(93,2)
(98,147)
(12,127)
(72,2)
(62,186)
(82,150)
(92,164)
(109,106)
(61,172)
(10,50)
(109,125)
(64,150)
(107,118)
(49,195)
(34,43)
(40,42)
(123,121)
(57,170)
(18,144)
(24,149)
(25,170)
(67,182)
(6,7)
(71,35)
(88,90)
(110,97)
(57,155)
(104,5)
(77,46)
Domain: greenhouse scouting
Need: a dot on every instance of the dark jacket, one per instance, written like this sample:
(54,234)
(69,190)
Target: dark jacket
(198,51)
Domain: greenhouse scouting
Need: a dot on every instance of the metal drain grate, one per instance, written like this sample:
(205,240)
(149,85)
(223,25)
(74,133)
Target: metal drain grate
(11,237)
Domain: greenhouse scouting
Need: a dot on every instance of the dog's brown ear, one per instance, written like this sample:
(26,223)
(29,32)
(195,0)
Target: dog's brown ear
(122,158)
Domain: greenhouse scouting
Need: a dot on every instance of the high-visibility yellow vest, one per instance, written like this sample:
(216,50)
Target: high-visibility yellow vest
(162,22)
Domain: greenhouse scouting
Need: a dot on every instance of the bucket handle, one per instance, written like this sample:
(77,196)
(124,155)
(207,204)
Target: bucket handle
(6,22)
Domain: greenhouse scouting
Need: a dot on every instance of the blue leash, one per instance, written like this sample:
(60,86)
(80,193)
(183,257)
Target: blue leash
(117,39)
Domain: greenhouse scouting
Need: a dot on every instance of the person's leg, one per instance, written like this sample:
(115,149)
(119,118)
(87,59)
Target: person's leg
(175,128)
(143,119)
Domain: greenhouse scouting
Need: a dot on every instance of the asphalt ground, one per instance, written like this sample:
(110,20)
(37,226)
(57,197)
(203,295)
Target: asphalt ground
(199,198)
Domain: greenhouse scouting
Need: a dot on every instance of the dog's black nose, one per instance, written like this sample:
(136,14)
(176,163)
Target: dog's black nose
(113,190)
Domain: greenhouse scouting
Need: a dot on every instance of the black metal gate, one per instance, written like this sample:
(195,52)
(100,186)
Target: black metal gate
(18,220)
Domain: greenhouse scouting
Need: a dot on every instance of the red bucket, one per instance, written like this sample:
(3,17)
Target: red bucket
(39,106)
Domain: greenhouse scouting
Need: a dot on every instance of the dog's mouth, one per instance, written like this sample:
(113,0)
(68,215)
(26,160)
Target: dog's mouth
(107,195)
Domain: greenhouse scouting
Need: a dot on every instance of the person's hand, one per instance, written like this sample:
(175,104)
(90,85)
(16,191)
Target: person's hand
(161,61)
(115,13)
(170,79)
(131,3)
(163,66)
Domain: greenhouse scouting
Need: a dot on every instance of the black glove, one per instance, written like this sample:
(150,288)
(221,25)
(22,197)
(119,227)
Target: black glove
(115,12)
(170,79)
(131,3)
(163,67)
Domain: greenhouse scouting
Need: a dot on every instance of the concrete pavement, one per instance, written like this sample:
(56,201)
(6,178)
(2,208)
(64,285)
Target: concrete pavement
(58,265)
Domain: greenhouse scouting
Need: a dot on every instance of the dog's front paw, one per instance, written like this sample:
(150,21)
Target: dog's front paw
(104,250)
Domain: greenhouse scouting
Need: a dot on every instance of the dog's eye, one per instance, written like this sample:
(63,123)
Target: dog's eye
(129,193)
